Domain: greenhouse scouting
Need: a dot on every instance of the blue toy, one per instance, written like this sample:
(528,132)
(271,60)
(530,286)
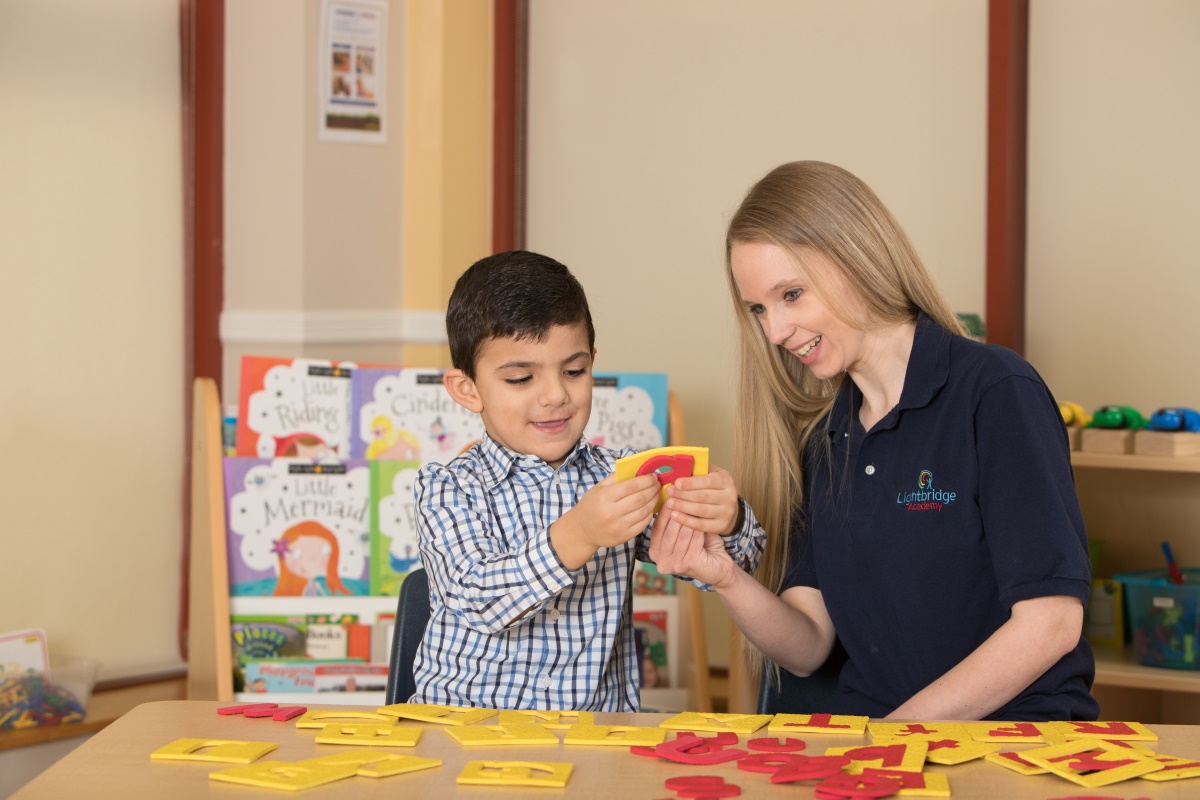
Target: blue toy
(1175,419)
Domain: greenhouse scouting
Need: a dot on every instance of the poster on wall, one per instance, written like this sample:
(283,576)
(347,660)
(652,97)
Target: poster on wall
(352,54)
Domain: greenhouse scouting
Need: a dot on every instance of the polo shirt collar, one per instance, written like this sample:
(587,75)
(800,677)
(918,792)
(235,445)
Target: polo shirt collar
(927,372)
(498,462)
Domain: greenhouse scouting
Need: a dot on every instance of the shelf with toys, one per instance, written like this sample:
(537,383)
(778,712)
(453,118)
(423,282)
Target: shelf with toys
(1134,497)
(222,588)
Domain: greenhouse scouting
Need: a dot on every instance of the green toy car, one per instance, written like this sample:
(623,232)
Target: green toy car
(1118,417)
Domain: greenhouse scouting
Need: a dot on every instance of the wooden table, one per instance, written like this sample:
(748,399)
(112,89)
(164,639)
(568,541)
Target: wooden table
(116,763)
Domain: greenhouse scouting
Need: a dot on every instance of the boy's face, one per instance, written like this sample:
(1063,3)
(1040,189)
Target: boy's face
(535,397)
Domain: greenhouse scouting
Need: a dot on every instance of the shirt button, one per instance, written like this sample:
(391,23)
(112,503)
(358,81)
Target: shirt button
(544,681)
(554,615)
(556,478)
(870,470)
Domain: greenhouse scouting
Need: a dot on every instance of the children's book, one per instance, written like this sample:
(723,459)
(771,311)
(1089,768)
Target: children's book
(258,637)
(405,414)
(283,674)
(650,633)
(629,409)
(393,525)
(297,528)
(294,407)
(351,677)
(647,580)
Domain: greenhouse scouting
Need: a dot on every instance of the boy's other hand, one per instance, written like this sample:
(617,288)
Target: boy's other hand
(677,549)
(608,514)
(706,503)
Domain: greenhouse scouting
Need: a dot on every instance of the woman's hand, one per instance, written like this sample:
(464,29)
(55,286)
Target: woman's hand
(706,503)
(679,550)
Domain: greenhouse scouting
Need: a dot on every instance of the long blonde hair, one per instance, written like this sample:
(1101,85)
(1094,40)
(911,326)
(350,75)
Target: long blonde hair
(802,207)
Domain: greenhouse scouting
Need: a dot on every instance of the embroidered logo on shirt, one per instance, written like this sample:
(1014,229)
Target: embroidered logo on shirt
(926,498)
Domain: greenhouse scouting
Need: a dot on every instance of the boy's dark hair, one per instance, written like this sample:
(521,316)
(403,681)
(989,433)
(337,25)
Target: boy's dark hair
(518,295)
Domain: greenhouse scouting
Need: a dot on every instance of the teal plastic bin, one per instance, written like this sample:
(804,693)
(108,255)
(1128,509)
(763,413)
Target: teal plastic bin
(1163,617)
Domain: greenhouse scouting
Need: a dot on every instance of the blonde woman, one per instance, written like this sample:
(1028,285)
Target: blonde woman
(915,485)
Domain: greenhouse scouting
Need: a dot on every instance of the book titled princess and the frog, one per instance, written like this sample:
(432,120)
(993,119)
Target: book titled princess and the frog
(319,498)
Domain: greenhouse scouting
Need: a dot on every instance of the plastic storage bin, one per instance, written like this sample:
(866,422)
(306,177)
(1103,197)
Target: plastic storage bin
(1163,617)
(58,695)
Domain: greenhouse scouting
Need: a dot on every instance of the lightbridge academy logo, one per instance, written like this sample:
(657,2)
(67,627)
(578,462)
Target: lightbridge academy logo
(926,498)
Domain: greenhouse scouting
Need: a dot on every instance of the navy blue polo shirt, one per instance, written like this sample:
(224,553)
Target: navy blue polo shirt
(922,533)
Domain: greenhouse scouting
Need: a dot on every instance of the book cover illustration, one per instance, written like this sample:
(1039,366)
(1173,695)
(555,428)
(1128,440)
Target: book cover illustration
(297,528)
(283,674)
(650,630)
(629,409)
(393,525)
(647,580)
(405,414)
(351,677)
(293,407)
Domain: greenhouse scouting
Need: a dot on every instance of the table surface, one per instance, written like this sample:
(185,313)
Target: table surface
(116,763)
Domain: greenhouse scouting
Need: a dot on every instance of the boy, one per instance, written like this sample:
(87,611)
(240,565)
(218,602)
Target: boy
(528,539)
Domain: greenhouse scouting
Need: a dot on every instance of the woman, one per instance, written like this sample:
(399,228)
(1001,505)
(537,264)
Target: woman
(924,478)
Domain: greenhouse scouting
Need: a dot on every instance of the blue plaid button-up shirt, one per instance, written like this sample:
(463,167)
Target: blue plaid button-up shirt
(511,627)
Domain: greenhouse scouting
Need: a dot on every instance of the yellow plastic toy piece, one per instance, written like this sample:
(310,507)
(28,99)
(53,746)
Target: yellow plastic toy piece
(900,756)
(1013,760)
(229,751)
(697,721)
(369,735)
(1092,763)
(290,775)
(516,773)
(827,724)
(319,719)
(1174,769)
(373,763)
(668,459)
(1122,731)
(1010,731)
(511,733)
(619,735)
(1074,415)
(442,715)
(550,720)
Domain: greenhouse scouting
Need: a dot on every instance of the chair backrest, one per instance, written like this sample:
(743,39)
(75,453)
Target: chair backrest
(795,695)
(412,613)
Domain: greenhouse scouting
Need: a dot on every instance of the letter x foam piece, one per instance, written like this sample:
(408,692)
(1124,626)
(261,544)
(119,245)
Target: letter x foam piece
(443,715)
(696,721)
(229,751)
(516,773)
(1092,762)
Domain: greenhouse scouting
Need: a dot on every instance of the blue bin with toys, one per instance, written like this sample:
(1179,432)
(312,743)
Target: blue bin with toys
(1163,617)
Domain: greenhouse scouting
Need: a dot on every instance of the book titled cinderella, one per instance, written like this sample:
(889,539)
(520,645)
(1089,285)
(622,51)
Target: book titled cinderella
(297,528)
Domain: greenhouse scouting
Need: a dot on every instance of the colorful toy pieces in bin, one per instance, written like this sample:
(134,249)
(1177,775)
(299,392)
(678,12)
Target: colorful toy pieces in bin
(36,690)
(1117,417)
(1164,615)
(1175,419)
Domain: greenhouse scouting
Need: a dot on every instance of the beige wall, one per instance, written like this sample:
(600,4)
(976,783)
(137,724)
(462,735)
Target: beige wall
(92,398)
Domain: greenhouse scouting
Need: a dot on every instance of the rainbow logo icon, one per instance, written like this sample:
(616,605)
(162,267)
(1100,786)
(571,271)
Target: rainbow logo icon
(926,479)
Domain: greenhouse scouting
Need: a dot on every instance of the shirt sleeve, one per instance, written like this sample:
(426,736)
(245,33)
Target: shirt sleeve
(1031,518)
(487,585)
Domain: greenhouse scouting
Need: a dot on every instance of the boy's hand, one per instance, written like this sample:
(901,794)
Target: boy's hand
(706,503)
(679,550)
(608,514)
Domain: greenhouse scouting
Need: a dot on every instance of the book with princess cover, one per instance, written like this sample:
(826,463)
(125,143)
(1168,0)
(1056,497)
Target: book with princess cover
(629,409)
(297,527)
(293,407)
(405,414)
(393,524)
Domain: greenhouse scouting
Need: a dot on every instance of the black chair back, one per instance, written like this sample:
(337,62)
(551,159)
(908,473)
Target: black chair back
(795,695)
(412,614)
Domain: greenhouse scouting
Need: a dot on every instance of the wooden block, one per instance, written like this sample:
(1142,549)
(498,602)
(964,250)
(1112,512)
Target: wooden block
(1166,443)
(1107,440)
(1075,437)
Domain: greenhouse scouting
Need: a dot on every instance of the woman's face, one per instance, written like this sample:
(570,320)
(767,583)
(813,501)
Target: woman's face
(791,314)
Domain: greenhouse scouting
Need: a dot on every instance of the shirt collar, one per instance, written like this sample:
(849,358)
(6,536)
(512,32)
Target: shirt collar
(926,374)
(498,461)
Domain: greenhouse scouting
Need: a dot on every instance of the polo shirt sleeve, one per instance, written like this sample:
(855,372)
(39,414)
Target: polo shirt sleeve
(478,580)
(1031,518)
